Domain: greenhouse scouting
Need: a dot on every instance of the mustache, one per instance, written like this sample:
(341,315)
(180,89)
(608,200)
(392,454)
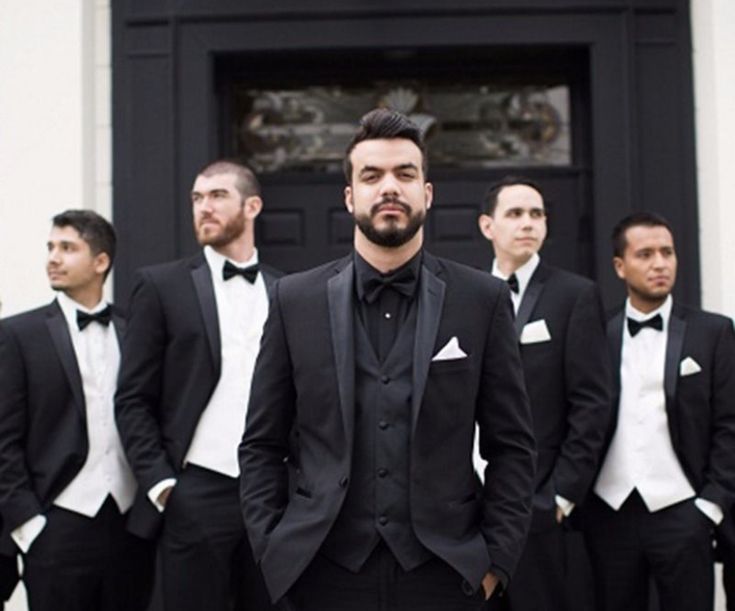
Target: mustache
(390,200)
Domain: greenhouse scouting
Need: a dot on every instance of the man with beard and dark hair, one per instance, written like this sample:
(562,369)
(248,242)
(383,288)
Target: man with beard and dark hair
(380,364)
(187,361)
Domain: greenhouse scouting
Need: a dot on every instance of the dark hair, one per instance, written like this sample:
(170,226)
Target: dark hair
(636,219)
(383,123)
(493,191)
(246,182)
(93,229)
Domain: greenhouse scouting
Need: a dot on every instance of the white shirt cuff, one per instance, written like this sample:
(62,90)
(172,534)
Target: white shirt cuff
(565,505)
(710,509)
(27,532)
(156,490)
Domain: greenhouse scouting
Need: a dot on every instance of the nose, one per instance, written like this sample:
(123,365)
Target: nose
(53,255)
(389,185)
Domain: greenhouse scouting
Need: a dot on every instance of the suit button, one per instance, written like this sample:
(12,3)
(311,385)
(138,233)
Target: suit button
(382,520)
(382,472)
(383,425)
(384,379)
(343,482)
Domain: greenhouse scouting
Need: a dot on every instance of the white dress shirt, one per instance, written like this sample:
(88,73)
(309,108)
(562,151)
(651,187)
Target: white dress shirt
(242,309)
(106,470)
(641,456)
(523,275)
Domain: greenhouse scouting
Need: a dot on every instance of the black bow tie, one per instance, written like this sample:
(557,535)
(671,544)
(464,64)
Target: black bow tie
(250,273)
(103,317)
(513,283)
(403,281)
(656,322)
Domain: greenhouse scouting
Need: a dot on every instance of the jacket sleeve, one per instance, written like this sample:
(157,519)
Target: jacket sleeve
(719,486)
(138,396)
(18,501)
(506,442)
(588,378)
(265,443)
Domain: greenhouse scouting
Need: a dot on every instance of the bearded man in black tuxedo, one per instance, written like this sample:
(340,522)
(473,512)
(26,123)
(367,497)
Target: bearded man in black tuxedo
(379,365)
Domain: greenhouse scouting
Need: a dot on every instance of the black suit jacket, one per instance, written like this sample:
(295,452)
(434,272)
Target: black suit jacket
(171,361)
(43,424)
(700,407)
(568,380)
(305,378)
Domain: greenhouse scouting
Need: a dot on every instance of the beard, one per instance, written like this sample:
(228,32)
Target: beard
(392,235)
(223,234)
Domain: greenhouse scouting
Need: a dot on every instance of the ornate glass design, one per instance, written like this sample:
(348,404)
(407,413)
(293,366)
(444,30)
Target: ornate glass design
(467,125)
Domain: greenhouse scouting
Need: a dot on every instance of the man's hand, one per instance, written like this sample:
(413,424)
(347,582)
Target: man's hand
(163,497)
(489,583)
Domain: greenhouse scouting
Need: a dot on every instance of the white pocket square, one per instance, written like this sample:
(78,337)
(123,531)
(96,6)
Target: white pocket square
(451,350)
(535,332)
(689,367)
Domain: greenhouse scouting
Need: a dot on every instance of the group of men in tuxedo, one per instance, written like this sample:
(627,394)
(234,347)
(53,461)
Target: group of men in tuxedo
(360,387)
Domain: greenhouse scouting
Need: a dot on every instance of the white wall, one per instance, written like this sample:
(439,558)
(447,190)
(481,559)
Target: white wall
(713,24)
(55,131)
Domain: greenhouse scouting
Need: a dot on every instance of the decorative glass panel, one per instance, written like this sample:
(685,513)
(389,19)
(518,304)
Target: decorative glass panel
(466,125)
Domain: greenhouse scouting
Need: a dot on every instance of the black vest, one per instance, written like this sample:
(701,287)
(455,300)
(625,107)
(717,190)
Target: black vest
(377,502)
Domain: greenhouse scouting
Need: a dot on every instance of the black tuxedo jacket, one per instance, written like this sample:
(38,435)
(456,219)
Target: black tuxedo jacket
(701,406)
(568,380)
(43,423)
(305,378)
(171,360)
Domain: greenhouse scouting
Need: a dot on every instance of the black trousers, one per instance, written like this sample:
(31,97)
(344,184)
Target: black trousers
(88,564)
(8,576)
(206,561)
(382,585)
(632,547)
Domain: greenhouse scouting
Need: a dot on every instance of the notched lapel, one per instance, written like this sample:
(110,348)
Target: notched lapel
(202,279)
(341,319)
(119,324)
(61,338)
(430,304)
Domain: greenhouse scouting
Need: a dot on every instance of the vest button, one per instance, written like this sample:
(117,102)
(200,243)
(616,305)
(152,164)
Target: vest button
(383,520)
(343,482)
(382,472)
(383,425)
(384,379)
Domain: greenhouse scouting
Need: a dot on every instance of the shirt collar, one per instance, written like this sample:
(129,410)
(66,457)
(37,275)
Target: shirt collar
(364,272)
(69,308)
(523,273)
(664,310)
(216,261)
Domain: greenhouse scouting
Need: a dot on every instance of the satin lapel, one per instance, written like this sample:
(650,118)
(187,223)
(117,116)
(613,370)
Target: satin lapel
(615,343)
(119,323)
(674,344)
(269,280)
(202,279)
(530,297)
(430,304)
(59,331)
(341,319)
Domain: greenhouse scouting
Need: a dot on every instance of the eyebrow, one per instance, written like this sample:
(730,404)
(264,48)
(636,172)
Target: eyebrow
(403,166)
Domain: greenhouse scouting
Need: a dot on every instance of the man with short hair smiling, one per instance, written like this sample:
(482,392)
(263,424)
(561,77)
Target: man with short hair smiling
(668,471)
(65,485)
(561,330)
(380,364)
(188,356)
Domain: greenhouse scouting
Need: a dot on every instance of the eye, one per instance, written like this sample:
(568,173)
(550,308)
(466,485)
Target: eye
(537,214)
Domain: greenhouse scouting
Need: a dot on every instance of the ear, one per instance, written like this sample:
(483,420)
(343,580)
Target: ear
(102,263)
(252,205)
(349,204)
(485,223)
(429,194)
(619,266)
